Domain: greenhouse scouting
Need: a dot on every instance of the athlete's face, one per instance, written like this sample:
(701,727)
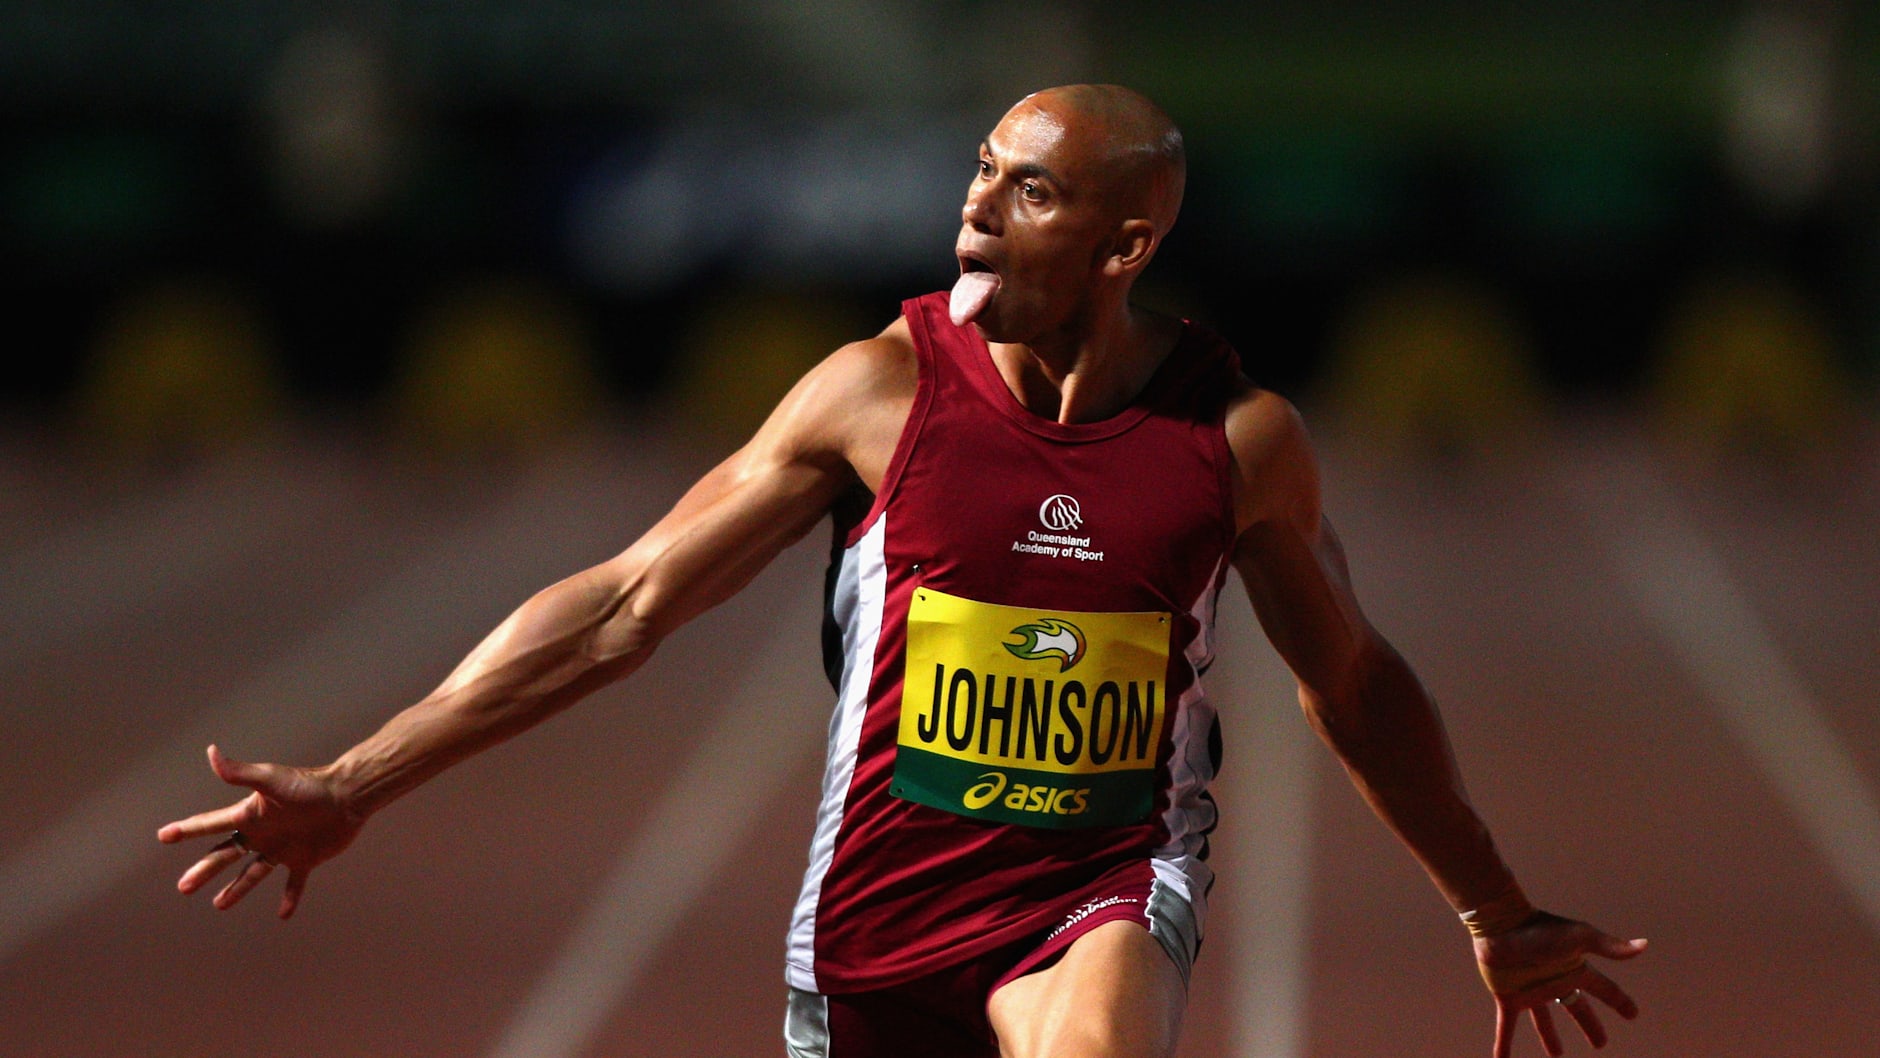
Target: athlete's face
(1040,215)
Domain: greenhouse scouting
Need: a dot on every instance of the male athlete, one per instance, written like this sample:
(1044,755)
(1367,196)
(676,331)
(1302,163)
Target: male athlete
(1037,490)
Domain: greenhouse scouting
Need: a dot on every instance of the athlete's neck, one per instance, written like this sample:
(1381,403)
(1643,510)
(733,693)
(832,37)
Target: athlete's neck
(1087,374)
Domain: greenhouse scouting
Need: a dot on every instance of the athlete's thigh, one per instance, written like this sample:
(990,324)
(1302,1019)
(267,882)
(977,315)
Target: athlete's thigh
(1114,994)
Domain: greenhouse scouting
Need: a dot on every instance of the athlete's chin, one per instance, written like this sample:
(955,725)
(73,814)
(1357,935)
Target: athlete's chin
(1003,327)
(992,331)
(1023,318)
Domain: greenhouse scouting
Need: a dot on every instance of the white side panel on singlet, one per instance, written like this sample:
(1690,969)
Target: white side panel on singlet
(856,603)
(1191,814)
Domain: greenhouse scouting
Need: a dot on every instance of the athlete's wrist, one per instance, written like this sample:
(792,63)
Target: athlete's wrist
(1502,913)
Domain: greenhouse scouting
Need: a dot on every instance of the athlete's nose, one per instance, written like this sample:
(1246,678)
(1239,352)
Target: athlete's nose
(978,213)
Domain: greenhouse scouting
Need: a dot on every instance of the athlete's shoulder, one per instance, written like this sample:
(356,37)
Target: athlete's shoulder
(856,375)
(851,406)
(1273,461)
(1262,425)
(885,364)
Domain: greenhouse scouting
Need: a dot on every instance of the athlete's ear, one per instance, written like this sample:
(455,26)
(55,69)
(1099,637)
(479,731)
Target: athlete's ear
(1136,241)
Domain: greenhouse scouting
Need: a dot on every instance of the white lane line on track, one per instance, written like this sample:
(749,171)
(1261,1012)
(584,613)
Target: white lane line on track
(1272,757)
(422,618)
(59,590)
(1688,593)
(774,723)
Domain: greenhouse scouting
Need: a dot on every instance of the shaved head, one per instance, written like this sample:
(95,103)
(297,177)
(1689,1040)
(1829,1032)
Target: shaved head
(1140,147)
(1074,189)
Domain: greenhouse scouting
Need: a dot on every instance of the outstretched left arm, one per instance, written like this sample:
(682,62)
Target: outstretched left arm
(1367,705)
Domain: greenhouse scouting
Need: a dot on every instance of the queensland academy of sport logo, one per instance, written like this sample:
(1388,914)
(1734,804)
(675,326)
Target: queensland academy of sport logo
(1062,516)
(1061,513)
(1049,638)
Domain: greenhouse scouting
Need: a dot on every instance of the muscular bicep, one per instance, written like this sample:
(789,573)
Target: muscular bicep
(824,439)
(722,534)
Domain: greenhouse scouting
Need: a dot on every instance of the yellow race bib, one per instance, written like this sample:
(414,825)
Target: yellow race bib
(1045,718)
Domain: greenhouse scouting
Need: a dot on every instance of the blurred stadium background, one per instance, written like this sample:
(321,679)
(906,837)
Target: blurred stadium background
(333,329)
(305,207)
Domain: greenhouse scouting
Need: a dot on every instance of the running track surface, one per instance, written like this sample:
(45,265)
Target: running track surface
(1660,680)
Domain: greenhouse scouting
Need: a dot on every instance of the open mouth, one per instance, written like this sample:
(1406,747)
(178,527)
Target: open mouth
(974,289)
(970,262)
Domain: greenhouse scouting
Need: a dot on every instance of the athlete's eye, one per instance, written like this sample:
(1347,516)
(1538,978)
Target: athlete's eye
(985,169)
(1032,191)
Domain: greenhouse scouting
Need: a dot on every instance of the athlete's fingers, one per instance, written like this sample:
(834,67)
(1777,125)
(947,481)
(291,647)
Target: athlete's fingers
(250,877)
(1613,948)
(1606,991)
(1506,1018)
(241,773)
(290,897)
(1583,1013)
(209,866)
(216,821)
(219,820)
(1544,1024)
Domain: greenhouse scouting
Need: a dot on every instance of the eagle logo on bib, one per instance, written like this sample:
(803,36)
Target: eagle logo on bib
(1049,638)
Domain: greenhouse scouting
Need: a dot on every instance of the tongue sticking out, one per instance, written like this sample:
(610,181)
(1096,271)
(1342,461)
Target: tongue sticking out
(970,295)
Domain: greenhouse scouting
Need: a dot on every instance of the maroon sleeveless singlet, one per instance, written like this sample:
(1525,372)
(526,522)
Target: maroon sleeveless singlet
(1018,628)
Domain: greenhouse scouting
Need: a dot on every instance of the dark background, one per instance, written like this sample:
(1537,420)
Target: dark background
(319,180)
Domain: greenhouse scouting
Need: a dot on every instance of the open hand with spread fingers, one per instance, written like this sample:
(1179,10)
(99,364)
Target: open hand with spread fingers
(1540,964)
(292,818)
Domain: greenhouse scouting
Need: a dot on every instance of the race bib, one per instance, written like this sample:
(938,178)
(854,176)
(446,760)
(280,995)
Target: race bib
(1045,718)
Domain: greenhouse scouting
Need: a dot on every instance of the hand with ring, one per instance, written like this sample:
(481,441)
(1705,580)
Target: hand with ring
(291,817)
(1542,963)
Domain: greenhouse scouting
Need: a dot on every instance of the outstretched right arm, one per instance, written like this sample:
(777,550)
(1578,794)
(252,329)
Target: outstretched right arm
(826,437)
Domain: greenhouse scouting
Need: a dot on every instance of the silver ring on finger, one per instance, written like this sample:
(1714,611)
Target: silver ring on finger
(1571,998)
(236,839)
